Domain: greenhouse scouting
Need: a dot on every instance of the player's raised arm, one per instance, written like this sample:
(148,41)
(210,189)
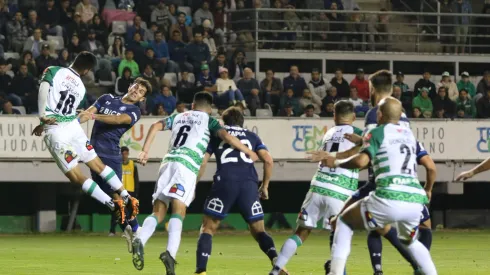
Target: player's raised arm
(235,143)
(266,158)
(154,129)
(42,100)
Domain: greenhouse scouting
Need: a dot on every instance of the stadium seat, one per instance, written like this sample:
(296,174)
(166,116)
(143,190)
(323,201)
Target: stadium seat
(12,55)
(172,77)
(264,113)
(56,42)
(119,27)
(21,109)
(192,78)
(186,10)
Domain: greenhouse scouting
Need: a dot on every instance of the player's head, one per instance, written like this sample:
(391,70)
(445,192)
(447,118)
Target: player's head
(84,62)
(380,84)
(389,111)
(344,112)
(138,90)
(202,102)
(233,116)
(125,153)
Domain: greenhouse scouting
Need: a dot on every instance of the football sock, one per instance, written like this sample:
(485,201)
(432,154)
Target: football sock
(422,256)
(92,189)
(174,234)
(147,228)
(332,234)
(392,236)
(425,237)
(267,245)
(287,252)
(111,178)
(375,248)
(203,252)
(341,247)
(134,224)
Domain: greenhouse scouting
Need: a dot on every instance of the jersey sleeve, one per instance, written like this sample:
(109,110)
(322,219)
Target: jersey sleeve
(168,122)
(259,145)
(214,126)
(358,131)
(421,152)
(98,103)
(211,145)
(49,73)
(134,113)
(372,142)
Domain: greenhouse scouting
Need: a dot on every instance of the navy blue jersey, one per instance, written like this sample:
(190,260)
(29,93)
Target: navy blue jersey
(105,137)
(231,163)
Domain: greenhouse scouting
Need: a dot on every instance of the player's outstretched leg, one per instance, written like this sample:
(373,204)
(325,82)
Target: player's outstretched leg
(421,255)
(289,249)
(174,236)
(265,241)
(89,186)
(375,248)
(425,232)
(391,235)
(205,243)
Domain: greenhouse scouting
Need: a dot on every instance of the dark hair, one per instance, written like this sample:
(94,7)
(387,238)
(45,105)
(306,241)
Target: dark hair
(84,61)
(343,108)
(126,69)
(175,31)
(339,70)
(417,108)
(124,149)
(233,117)
(310,107)
(382,81)
(315,70)
(179,102)
(463,90)
(442,87)
(145,83)
(155,110)
(203,99)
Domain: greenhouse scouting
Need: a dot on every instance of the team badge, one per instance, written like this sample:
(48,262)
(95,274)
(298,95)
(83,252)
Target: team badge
(215,205)
(69,156)
(89,146)
(303,215)
(257,209)
(122,108)
(370,220)
(177,189)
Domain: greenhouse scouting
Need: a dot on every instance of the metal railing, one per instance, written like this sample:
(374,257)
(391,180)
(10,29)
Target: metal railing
(361,31)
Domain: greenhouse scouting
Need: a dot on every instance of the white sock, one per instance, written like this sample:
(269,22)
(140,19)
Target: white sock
(174,234)
(422,256)
(92,189)
(340,247)
(147,229)
(111,178)
(287,252)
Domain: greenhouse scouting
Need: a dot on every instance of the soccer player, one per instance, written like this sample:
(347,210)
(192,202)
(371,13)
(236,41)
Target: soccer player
(329,187)
(60,93)
(176,184)
(399,198)
(114,116)
(235,182)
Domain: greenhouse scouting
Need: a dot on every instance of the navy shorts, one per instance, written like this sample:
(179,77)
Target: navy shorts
(224,194)
(425,214)
(116,165)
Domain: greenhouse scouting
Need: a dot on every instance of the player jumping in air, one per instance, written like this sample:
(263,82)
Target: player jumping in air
(113,117)
(329,188)
(60,93)
(399,198)
(176,184)
(235,182)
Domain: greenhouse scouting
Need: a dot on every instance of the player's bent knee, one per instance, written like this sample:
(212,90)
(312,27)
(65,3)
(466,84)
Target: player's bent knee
(256,227)
(210,225)
(405,242)
(75,175)
(178,208)
(96,165)
(302,233)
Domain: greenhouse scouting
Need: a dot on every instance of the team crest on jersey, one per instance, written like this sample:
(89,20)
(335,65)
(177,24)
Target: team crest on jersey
(215,205)
(257,209)
(177,189)
(69,156)
(303,215)
(108,103)
(370,220)
(89,146)
(122,108)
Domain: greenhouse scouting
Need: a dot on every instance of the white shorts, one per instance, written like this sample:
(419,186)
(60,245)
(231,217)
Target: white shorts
(378,212)
(316,207)
(175,181)
(68,144)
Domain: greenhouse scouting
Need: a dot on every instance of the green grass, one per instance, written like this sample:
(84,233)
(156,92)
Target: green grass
(455,253)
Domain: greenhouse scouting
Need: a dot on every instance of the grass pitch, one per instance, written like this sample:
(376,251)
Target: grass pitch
(455,253)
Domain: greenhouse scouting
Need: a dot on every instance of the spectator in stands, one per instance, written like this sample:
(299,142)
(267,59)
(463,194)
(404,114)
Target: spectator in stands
(425,82)
(354,97)
(179,108)
(86,10)
(34,43)
(203,13)
(221,25)
(149,75)
(317,85)
(66,13)
(242,24)
(423,102)
(357,27)
(403,86)
(380,37)
(208,39)
(405,100)
(332,96)
(161,16)
(159,111)
(462,23)
(124,81)
(291,23)
(50,16)
(136,28)
(149,59)
(74,47)
(160,48)
(166,99)
(237,64)
(294,81)
(92,45)
(124,5)
(321,28)
(138,47)
(362,85)
(484,84)
(77,27)
(64,59)
(289,99)
(5,81)
(483,106)
(33,23)
(446,26)
(337,24)
(186,89)
(250,89)
(172,9)
(101,31)
(272,88)
(417,113)
(327,109)
(309,111)
(442,103)
(129,62)
(8,109)
(25,88)
(287,110)
(465,106)
(452,89)
(45,59)
(466,84)
(275,24)
(29,61)
(186,31)
(219,61)
(226,91)
(17,32)
(197,52)
(116,50)
(177,51)
(312,99)
(339,82)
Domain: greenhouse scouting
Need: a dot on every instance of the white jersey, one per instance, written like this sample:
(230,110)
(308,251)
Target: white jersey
(191,133)
(65,94)
(392,149)
(337,182)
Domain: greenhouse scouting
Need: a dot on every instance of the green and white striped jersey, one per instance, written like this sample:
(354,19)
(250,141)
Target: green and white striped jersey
(392,149)
(191,132)
(337,182)
(66,93)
